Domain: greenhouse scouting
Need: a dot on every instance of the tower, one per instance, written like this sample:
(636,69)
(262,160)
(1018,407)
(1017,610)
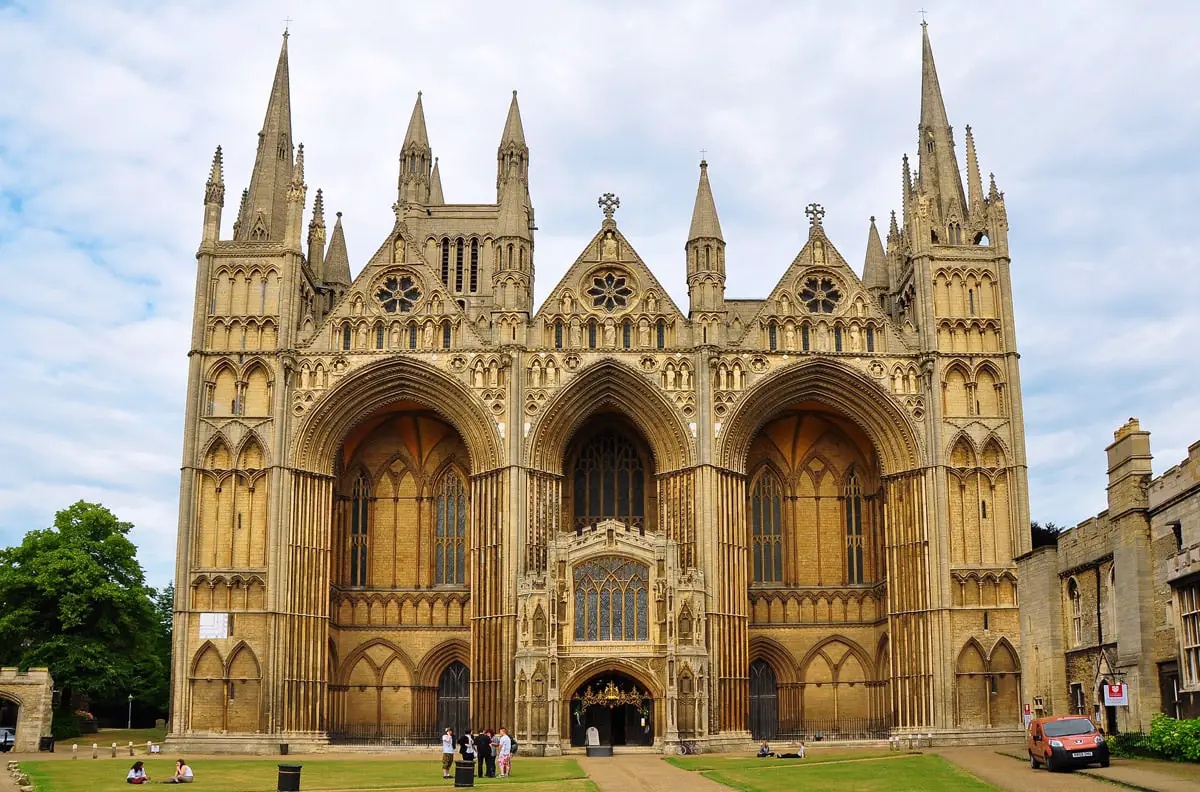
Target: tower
(705,250)
(416,160)
(512,275)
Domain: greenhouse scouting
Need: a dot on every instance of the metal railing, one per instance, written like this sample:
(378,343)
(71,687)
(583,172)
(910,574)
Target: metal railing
(383,734)
(839,729)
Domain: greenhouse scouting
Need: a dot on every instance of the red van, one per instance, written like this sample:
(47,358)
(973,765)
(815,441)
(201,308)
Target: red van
(1065,742)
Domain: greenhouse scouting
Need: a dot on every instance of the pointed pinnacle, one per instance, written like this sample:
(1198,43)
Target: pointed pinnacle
(435,185)
(875,266)
(217,174)
(705,223)
(417,135)
(337,262)
(318,218)
(514,132)
(298,169)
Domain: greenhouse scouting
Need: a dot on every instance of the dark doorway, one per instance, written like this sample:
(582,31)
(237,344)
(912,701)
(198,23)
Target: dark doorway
(764,701)
(9,710)
(608,703)
(454,698)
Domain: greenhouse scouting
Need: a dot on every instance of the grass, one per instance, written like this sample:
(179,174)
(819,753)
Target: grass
(725,762)
(106,737)
(260,775)
(897,774)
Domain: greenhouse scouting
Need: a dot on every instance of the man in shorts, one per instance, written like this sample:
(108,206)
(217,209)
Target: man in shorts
(504,760)
(447,752)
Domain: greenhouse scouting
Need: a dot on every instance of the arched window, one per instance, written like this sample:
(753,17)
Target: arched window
(609,482)
(451,538)
(359,522)
(474,265)
(591,334)
(445,335)
(458,266)
(1076,612)
(662,334)
(412,336)
(852,495)
(764,701)
(837,339)
(611,600)
(346,337)
(772,336)
(626,334)
(804,337)
(766,528)
(1110,606)
(446,262)
(870,339)
(971,299)
(454,697)
(558,332)
(379,337)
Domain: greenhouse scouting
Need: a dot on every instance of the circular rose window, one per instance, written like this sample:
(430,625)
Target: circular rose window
(820,295)
(610,291)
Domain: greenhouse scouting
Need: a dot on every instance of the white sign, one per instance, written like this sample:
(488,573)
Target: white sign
(214,625)
(1116,695)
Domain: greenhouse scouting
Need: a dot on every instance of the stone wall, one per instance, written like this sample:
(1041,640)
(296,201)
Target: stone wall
(33,691)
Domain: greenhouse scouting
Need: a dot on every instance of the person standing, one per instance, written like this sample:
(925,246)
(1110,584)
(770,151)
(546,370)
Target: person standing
(483,749)
(466,746)
(447,752)
(493,748)
(505,759)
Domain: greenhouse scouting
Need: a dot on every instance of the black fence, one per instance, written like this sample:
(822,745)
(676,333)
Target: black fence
(383,735)
(840,729)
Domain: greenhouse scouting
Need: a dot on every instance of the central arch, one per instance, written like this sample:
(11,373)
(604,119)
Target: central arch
(601,699)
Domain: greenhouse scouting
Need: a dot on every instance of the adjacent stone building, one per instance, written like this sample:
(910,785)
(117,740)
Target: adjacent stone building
(411,498)
(1118,598)
(27,705)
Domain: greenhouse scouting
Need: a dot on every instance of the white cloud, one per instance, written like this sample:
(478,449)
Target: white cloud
(111,113)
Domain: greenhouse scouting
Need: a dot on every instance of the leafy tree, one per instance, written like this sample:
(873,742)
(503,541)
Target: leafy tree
(1044,535)
(74,598)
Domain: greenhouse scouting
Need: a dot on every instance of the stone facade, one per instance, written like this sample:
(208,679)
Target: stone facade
(32,690)
(787,514)
(1105,605)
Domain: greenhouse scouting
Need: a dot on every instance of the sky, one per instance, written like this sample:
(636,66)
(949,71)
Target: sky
(110,112)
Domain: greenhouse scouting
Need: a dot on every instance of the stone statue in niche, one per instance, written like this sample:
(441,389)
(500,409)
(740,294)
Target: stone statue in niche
(477,376)
(789,337)
(610,334)
(566,303)
(651,303)
(428,336)
(608,247)
(362,337)
(574,334)
(818,252)
(395,342)
(644,334)
(398,250)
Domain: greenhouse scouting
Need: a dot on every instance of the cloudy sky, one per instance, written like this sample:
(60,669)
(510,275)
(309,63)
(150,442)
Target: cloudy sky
(110,111)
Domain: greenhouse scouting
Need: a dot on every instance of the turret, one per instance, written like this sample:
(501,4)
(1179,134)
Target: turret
(435,186)
(706,263)
(316,238)
(214,200)
(416,159)
(875,268)
(337,263)
(513,154)
(512,274)
(264,214)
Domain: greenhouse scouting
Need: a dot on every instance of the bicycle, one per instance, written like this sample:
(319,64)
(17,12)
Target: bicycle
(687,747)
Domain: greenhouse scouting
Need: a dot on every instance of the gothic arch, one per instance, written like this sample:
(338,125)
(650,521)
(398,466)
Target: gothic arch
(779,658)
(961,452)
(852,649)
(210,657)
(361,651)
(1004,654)
(248,443)
(243,660)
(971,658)
(609,385)
(648,681)
(382,384)
(211,454)
(836,385)
(430,669)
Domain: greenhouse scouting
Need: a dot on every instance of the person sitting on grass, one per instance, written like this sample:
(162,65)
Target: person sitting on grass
(183,773)
(797,754)
(764,750)
(137,774)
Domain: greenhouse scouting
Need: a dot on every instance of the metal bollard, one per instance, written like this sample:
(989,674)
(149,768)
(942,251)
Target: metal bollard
(95,751)
(75,751)
(289,778)
(131,747)
(149,743)
(114,750)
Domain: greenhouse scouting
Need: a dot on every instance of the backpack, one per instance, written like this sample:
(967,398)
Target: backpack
(513,747)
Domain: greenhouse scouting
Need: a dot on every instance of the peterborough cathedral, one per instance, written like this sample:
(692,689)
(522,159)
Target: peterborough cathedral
(411,498)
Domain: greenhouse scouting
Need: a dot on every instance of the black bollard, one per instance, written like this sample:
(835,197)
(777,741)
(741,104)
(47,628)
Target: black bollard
(289,778)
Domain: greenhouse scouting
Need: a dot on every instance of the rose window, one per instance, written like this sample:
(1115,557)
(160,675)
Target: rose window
(398,294)
(610,291)
(820,295)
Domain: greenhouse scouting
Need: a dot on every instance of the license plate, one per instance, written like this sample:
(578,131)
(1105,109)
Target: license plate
(1081,754)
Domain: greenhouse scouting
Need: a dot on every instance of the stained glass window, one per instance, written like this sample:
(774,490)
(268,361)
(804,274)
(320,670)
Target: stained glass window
(611,601)
(398,294)
(820,295)
(609,482)
(854,530)
(610,291)
(360,505)
(766,528)
(451,538)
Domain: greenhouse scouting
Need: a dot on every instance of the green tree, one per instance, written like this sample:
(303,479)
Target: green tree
(1044,535)
(74,598)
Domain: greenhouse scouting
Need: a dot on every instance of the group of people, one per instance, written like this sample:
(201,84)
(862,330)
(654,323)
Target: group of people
(491,749)
(183,774)
(765,752)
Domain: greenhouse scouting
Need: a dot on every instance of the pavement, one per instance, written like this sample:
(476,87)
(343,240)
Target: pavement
(999,766)
(643,773)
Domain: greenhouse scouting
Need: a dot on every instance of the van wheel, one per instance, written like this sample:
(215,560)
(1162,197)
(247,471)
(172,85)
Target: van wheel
(1104,762)
(1033,762)
(1050,768)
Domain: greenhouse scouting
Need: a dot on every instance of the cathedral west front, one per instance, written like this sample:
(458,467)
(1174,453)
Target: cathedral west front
(411,498)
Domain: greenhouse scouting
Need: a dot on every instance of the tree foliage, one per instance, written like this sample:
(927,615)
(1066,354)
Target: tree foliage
(74,598)
(1044,535)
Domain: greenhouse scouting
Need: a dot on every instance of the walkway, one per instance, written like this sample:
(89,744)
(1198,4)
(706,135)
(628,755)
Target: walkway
(1004,771)
(644,773)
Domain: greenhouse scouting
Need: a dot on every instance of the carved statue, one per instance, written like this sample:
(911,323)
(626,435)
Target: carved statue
(651,303)
(608,247)
(574,334)
(398,250)
(610,334)
(818,252)
(428,336)
(644,333)
(395,336)
(362,337)
(477,376)
(789,337)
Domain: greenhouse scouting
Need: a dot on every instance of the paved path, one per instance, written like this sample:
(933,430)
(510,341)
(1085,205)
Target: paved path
(1135,773)
(644,773)
(1005,772)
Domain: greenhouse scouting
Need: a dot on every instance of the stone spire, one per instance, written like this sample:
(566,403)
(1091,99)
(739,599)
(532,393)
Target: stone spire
(435,186)
(705,224)
(214,198)
(513,153)
(416,159)
(337,263)
(296,191)
(875,274)
(316,237)
(974,181)
(267,205)
(938,171)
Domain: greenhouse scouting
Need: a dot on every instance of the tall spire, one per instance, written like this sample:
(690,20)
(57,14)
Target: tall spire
(705,223)
(267,205)
(875,275)
(513,154)
(316,237)
(416,159)
(938,173)
(214,199)
(337,263)
(514,132)
(435,186)
(974,181)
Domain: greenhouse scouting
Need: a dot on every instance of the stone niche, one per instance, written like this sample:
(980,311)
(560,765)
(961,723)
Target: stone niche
(32,691)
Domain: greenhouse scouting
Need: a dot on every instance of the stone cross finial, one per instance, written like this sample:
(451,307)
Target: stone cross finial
(609,203)
(814,212)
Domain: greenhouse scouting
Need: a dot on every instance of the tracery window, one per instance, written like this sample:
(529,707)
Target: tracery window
(446,262)
(451,533)
(611,602)
(609,482)
(662,334)
(558,334)
(610,291)
(458,267)
(1076,612)
(766,528)
(474,265)
(820,295)
(360,505)
(852,495)
(398,294)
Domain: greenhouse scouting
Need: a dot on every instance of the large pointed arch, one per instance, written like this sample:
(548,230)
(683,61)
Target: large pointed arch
(375,387)
(836,385)
(435,661)
(611,386)
(361,651)
(781,660)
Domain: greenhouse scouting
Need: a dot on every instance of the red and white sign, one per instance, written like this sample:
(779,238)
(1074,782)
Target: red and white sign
(1028,710)
(1116,695)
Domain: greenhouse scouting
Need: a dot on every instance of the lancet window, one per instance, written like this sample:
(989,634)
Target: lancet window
(766,528)
(609,483)
(451,530)
(360,507)
(852,496)
(611,600)
(474,265)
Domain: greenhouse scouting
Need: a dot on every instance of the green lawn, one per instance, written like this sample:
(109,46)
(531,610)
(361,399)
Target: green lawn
(896,774)
(106,737)
(259,775)
(726,762)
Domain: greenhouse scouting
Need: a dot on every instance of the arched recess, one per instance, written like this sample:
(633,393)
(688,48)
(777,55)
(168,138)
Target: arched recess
(256,397)
(207,682)
(243,690)
(609,386)
(840,387)
(836,695)
(375,387)
(374,687)
(1005,669)
(764,701)
(971,686)
(429,670)
(647,682)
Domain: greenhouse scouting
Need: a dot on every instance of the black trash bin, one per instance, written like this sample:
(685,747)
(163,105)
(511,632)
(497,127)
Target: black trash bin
(46,744)
(464,773)
(289,778)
